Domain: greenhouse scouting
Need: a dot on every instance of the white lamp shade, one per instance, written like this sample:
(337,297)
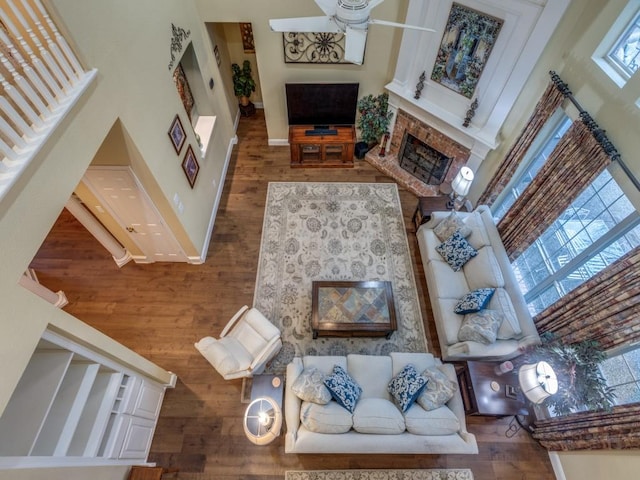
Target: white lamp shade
(262,421)
(462,182)
(537,381)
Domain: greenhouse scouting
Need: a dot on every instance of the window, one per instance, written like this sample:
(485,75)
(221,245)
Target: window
(617,55)
(622,371)
(625,55)
(599,227)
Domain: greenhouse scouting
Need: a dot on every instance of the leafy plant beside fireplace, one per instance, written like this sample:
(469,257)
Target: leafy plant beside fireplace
(374,117)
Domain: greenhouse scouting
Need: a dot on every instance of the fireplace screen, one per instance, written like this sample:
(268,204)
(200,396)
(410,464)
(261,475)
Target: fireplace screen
(422,161)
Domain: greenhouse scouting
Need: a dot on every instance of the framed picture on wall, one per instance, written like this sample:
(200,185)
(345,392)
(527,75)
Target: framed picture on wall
(177,135)
(190,166)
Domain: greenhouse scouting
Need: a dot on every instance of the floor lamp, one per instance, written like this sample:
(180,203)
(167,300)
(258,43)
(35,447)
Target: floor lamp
(460,188)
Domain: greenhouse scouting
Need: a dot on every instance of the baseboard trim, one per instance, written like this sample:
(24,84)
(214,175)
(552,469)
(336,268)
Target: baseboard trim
(278,142)
(557,466)
(216,203)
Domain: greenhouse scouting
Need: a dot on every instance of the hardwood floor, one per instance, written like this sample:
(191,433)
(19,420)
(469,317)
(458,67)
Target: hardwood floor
(159,310)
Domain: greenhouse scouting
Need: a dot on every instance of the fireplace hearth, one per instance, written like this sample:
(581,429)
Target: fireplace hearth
(433,158)
(423,161)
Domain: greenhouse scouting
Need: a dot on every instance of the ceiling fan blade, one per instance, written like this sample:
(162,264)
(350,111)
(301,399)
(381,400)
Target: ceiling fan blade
(329,7)
(356,39)
(304,24)
(401,25)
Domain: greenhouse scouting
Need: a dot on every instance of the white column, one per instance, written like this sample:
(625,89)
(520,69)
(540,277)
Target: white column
(120,255)
(55,298)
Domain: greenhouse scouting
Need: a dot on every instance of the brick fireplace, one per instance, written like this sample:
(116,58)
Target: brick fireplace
(407,125)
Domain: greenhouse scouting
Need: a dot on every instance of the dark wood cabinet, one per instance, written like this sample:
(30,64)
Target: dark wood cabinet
(321,150)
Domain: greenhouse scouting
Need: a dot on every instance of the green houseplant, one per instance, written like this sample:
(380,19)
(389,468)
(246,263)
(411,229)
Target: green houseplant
(243,82)
(374,117)
(581,386)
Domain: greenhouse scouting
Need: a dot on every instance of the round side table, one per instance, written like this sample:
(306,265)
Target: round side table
(262,421)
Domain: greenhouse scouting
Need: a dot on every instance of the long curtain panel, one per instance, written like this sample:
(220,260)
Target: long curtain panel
(547,105)
(618,429)
(575,162)
(605,308)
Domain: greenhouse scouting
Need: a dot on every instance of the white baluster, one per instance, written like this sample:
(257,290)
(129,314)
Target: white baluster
(12,135)
(30,72)
(44,53)
(44,73)
(10,153)
(25,86)
(61,40)
(19,100)
(39,66)
(53,47)
(15,117)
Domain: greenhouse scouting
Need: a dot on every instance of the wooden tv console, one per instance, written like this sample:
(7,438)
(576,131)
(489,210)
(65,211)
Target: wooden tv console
(322,150)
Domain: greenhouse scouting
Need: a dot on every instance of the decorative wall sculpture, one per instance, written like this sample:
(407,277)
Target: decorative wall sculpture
(178,35)
(325,47)
(246,31)
(466,44)
(182,84)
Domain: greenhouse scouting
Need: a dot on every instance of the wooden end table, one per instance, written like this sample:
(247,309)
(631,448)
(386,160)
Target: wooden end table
(352,309)
(484,392)
(426,206)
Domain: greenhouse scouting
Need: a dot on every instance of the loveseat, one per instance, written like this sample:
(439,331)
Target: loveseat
(376,424)
(489,268)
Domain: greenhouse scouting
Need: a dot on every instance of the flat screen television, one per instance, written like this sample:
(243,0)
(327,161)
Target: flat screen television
(322,104)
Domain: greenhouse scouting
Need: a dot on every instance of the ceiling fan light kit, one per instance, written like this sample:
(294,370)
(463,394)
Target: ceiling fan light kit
(351,17)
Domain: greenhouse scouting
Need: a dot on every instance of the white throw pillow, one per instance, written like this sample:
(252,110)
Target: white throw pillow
(329,418)
(510,327)
(440,421)
(479,237)
(376,415)
(309,386)
(483,270)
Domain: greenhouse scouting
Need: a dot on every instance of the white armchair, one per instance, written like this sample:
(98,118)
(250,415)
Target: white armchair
(246,344)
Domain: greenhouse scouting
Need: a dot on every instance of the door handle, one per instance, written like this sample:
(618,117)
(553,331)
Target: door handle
(131,230)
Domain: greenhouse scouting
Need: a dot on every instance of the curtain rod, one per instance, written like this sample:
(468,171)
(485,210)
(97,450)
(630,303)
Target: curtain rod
(594,128)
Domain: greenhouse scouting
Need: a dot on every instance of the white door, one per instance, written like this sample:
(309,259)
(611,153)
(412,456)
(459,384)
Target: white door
(125,199)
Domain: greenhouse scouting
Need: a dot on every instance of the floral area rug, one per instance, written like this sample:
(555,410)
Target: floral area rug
(448,474)
(334,231)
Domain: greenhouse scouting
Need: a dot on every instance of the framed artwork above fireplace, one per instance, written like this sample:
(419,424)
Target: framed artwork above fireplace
(464,50)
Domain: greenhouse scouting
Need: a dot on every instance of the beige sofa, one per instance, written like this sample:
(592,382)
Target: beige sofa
(383,428)
(490,268)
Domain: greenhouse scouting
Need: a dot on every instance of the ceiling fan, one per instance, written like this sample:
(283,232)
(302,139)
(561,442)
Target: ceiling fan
(350,17)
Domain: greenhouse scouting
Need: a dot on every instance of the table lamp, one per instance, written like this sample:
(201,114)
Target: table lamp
(262,421)
(537,381)
(460,187)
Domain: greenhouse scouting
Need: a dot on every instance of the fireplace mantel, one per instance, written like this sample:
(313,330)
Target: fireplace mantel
(526,29)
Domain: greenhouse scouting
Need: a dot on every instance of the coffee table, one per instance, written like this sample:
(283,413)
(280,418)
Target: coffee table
(352,309)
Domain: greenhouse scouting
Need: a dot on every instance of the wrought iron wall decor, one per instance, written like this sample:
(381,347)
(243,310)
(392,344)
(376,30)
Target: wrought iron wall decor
(464,50)
(178,35)
(470,113)
(309,47)
(246,31)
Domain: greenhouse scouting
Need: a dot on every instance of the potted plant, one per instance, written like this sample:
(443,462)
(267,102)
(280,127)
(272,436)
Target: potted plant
(581,386)
(243,83)
(373,121)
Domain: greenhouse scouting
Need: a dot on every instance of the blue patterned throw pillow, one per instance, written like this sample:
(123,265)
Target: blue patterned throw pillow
(343,388)
(456,251)
(406,387)
(474,301)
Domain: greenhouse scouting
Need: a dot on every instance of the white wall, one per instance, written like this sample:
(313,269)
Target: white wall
(377,70)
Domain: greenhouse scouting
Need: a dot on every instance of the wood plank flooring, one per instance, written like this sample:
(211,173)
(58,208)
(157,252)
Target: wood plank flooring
(160,310)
